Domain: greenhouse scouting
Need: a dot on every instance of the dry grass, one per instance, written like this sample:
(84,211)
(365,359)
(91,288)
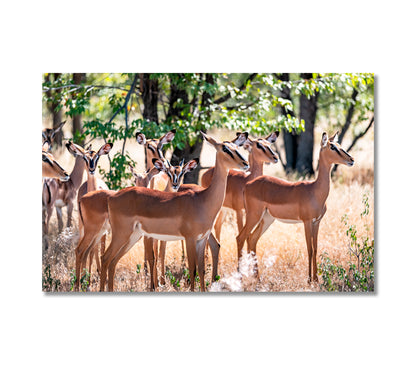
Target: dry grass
(281,251)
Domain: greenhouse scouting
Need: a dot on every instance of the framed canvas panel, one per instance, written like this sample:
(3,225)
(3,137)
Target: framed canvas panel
(208,182)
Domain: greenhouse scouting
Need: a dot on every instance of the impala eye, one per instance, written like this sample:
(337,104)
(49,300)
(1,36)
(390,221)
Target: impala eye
(332,148)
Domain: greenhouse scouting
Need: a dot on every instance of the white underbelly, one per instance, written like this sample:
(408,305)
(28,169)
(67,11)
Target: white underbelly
(165,238)
(289,220)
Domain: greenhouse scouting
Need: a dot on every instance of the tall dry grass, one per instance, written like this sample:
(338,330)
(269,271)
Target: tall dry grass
(281,251)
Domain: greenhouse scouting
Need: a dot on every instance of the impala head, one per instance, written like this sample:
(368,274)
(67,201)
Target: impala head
(175,173)
(154,147)
(50,167)
(227,152)
(49,134)
(143,179)
(333,152)
(90,157)
(261,148)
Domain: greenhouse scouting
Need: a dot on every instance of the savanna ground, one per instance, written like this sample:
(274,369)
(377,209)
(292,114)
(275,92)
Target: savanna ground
(281,251)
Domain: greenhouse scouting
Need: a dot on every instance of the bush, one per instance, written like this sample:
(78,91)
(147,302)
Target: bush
(359,276)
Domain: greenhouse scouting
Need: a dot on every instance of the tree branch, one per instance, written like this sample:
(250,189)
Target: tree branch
(359,136)
(132,88)
(242,87)
(349,117)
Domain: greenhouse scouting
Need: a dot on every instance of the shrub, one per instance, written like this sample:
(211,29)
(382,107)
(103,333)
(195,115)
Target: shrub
(359,275)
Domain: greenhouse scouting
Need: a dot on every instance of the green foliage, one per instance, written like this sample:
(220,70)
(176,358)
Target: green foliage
(49,284)
(73,279)
(360,273)
(172,279)
(193,102)
(119,175)
(84,281)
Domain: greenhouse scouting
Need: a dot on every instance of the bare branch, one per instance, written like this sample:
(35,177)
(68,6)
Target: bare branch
(242,87)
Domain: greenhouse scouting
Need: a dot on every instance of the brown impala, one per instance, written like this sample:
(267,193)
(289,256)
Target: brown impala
(268,198)
(189,215)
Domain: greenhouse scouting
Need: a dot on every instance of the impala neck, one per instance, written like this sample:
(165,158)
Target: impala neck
(152,173)
(77,172)
(256,167)
(91,182)
(323,179)
(215,192)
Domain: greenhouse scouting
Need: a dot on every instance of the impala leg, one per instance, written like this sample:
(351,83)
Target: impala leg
(134,237)
(150,255)
(102,250)
(49,209)
(148,243)
(83,245)
(308,236)
(149,247)
(240,223)
(218,224)
(162,252)
(59,216)
(120,235)
(253,217)
(315,229)
(191,252)
(89,251)
(69,209)
(261,228)
(183,252)
(200,253)
(215,251)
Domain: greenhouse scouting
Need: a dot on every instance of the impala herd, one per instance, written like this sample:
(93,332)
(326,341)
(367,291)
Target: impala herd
(185,212)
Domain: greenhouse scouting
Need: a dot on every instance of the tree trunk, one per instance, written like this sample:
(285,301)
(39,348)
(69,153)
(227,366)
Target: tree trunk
(150,91)
(56,115)
(308,108)
(290,138)
(76,120)
(190,152)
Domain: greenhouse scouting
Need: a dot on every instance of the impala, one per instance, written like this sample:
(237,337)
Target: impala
(153,149)
(50,170)
(260,152)
(63,194)
(59,194)
(268,198)
(188,215)
(93,214)
(50,167)
(176,175)
(48,135)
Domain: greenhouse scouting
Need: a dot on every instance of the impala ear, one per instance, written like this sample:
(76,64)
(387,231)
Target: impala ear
(74,149)
(272,137)
(209,139)
(105,149)
(159,164)
(248,144)
(57,129)
(334,138)
(324,140)
(140,138)
(241,138)
(45,147)
(167,138)
(191,165)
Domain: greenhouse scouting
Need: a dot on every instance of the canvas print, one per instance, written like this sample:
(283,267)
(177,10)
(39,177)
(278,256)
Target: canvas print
(208,182)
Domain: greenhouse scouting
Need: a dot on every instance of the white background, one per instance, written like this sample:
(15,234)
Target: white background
(206,333)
